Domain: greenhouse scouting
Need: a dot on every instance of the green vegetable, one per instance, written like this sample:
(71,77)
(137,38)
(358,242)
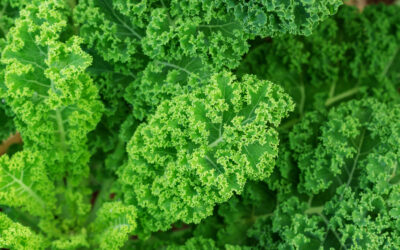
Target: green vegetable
(173,46)
(200,148)
(201,124)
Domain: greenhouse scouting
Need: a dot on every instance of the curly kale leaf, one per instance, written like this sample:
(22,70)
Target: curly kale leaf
(357,138)
(121,29)
(55,102)
(165,45)
(115,222)
(201,148)
(13,235)
(272,18)
(347,55)
(348,180)
(24,183)
(337,188)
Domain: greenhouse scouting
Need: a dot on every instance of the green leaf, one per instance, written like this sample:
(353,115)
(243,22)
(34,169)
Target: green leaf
(54,100)
(115,222)
(15,236)
(201,148)
(24,184)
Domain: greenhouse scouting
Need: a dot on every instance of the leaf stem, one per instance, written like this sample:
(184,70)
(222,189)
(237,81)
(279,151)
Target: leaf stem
(71,4)
(394,175)
(289,124)
(101,197)
(302,100)
(342,96)
(314,210)
(332,230)
(216,142)
(214,25)
(356,159)
(390,62)
(310,210)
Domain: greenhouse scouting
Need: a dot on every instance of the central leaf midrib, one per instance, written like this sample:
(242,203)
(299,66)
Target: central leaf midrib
(121,21)
(26,188)
(61,128)
(59,121)
(175,66)
(390,62)
(356,158)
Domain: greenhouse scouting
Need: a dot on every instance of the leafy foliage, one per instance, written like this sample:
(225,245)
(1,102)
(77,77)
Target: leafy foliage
(166,124)
(16,236)
(343,57)
(199,149)
(172,46)
(336,172)
(114,223)
(346,170)
(7,126)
